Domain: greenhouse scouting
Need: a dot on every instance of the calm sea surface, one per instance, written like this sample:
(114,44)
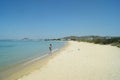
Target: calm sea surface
(15,52)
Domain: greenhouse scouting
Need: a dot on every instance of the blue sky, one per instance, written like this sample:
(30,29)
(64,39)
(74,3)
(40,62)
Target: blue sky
(58,18)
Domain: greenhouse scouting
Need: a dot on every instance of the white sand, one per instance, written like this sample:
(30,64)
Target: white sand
(81,61)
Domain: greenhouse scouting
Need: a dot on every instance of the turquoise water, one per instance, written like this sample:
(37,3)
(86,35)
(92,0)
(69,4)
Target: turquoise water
(15,52)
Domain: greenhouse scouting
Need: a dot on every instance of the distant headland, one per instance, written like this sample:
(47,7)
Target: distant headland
(105,40)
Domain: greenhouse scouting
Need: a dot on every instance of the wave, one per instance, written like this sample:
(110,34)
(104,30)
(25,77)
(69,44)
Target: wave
(38,58)
(33,60)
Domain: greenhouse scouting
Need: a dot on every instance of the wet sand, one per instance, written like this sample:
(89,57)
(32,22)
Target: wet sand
(79,61)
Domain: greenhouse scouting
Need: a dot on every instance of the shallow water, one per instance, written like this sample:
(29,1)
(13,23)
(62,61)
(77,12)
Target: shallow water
(15,52)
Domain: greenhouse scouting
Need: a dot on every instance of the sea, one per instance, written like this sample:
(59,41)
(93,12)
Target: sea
(24,52)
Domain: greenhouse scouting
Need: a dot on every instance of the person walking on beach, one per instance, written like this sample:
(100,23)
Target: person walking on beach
(50,47)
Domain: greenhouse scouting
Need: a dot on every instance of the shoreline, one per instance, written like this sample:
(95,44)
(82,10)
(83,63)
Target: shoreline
(74,61)
(29,66)
(80,60)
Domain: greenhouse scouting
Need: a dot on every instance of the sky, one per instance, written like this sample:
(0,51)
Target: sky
(58,18)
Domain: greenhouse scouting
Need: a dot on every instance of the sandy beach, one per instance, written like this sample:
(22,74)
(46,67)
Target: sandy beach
(80,61)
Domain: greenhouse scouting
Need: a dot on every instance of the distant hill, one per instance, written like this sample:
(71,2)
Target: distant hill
(26,39)
(84,37)
(115,41)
